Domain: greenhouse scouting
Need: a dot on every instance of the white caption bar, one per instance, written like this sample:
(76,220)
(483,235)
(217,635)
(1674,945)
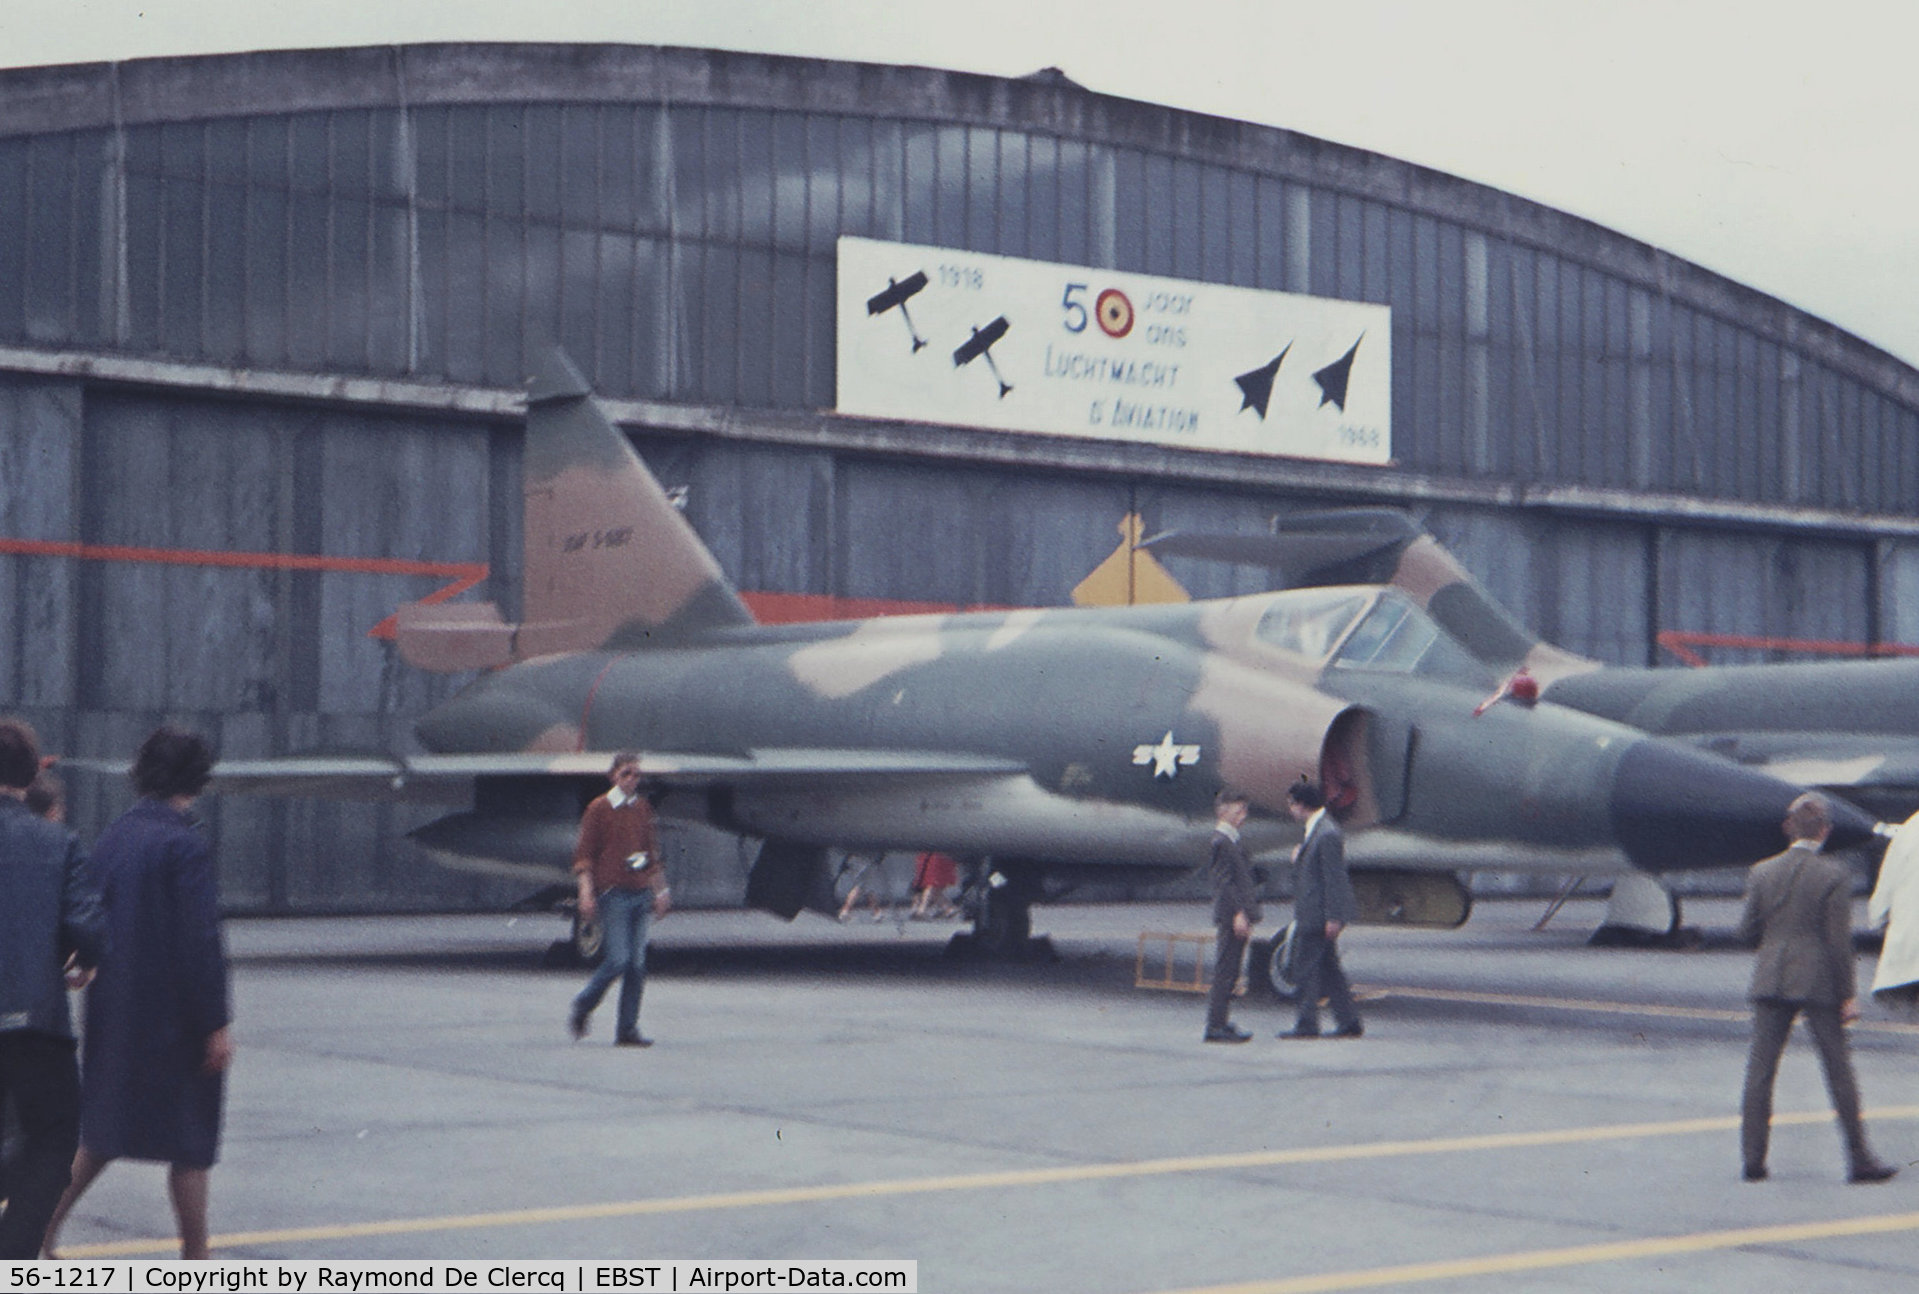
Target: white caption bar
(231,1276)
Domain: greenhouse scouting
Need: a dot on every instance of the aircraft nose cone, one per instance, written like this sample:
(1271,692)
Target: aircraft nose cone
(1675,808)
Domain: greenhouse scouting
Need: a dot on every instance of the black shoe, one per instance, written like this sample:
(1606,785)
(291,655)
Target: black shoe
(633,1039)
(576,1023)
(1231,1033)
(1353,1030)
(1754,1173)
(1297,1033)
(1872,1172)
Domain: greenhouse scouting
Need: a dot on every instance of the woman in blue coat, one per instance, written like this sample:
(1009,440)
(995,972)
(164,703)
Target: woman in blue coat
(157,1046)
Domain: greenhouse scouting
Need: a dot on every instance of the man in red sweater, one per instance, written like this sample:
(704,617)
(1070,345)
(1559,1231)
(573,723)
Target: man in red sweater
(623,883)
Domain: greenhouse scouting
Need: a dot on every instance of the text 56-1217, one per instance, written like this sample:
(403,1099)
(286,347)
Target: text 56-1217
(60,1277)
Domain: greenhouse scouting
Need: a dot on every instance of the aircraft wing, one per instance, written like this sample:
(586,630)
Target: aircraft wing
(324,777)
(1877,768)
(448,779)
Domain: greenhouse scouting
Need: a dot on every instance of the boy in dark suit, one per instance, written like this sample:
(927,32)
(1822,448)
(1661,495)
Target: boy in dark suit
(1235,912)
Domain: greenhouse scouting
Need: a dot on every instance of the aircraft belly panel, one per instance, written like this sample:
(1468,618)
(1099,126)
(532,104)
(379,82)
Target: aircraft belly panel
(1397,849)
(1074,710)
(1004,815)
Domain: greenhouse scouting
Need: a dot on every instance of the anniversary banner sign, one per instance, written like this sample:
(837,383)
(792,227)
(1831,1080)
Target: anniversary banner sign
(929,334)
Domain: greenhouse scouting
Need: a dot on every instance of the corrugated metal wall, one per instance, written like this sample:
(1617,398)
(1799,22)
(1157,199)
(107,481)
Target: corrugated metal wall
(97,652)
(269,661)
(686,253)
(681,246)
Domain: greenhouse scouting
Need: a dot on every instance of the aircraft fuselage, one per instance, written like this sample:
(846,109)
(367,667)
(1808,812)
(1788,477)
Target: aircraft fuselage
(1115,728)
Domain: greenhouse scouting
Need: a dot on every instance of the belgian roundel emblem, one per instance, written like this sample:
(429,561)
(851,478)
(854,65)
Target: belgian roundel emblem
(1114,312)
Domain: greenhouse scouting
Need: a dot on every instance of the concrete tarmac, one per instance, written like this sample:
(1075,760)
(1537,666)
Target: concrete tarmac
(1523,1113)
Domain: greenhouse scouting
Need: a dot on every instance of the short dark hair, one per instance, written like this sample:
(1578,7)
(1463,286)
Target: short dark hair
(1230,795)
(19,754)
(172,762)
(1306,795)
(622,759)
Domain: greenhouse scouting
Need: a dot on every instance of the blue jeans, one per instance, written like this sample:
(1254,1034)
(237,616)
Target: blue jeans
(625,916)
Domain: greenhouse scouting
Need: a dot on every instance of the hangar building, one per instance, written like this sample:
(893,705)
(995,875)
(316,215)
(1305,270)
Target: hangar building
(264,317)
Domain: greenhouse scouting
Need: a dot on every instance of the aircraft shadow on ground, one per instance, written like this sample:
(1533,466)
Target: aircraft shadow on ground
(1086,970)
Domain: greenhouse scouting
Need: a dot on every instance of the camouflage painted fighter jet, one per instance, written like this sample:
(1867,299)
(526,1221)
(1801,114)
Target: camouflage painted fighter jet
(1850,728)
(1059,744)
(1847,727)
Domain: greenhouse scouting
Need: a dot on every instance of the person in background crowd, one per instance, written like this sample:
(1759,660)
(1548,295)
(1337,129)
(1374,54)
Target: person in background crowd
(1895,905)
(158,1042)
(1799,914)
(45,798)
(622,882)
(933,875)
(1323,905)
(1235,913)
(863,875)
(50,918)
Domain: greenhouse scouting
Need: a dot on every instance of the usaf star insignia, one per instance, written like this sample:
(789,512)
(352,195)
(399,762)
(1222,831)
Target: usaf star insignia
(1167,757)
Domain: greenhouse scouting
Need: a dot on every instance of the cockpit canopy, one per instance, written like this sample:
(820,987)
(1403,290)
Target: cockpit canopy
(1366,629)
(1311,622)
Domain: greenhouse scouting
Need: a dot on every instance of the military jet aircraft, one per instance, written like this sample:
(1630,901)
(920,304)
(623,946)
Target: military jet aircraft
(1849,727)
(1060,744)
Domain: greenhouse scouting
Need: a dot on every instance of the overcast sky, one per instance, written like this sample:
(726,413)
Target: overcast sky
(1776,144)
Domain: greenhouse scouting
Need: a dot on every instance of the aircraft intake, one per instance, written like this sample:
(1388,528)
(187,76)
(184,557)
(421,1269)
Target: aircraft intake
(1675,808)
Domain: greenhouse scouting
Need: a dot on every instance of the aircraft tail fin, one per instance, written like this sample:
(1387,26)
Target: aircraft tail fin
(1433,577)
(609,560)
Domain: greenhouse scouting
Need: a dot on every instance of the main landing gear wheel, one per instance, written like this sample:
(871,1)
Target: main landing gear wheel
(1272,965)
(1002,909)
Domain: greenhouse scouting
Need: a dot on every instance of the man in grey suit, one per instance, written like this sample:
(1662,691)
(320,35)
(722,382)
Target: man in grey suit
(1323,905)
(1235,912)
(1799,913)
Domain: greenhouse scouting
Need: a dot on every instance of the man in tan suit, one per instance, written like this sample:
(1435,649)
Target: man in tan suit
(1799,913)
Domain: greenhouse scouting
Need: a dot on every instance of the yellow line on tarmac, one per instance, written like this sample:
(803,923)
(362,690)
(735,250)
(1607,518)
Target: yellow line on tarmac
(970,1182)
(1606,1008)
(1573,1256)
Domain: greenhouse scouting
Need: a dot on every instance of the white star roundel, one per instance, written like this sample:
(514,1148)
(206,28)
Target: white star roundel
(1167,757)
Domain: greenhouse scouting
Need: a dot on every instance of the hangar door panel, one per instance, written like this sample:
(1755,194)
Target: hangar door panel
(40,431)
(764,512)
(174,479)
(376,488)
(971,538)
(1899,578)
(1773,588)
